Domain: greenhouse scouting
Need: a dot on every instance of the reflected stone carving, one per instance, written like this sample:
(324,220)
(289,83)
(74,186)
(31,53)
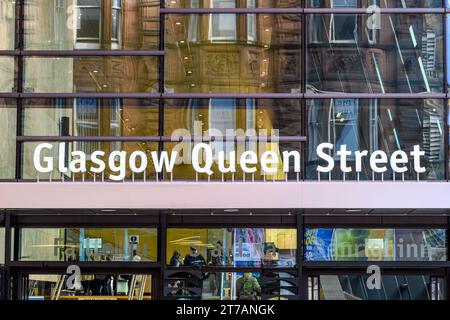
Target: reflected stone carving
(220,64)
(253,64)
(289,66)
(347,63)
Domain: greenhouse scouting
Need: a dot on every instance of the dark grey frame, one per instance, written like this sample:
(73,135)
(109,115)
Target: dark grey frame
(14,270)
(163,220)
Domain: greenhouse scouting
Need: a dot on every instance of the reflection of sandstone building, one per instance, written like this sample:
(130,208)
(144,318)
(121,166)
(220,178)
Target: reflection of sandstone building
(7,106)
(401,56)
(93,25)
(345,56)
(237,54)
(230,53)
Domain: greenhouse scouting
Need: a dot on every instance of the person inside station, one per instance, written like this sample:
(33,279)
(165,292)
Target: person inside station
(175,261)
(194,258)
(247,287)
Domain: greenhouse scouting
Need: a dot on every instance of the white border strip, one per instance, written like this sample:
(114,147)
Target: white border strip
(212,195)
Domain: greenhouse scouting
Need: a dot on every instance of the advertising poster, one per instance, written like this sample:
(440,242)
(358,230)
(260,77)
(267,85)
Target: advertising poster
(318,244)
(247,246)
(349,244)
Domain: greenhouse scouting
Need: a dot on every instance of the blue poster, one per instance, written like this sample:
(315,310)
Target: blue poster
(319,244)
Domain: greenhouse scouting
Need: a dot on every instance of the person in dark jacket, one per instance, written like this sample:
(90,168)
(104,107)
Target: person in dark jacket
(195,258)
(175,261)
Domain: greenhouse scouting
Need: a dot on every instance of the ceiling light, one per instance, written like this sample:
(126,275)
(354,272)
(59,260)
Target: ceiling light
(231,210)
(353,210)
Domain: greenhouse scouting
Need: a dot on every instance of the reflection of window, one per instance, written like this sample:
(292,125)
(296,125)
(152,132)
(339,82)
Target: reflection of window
(116,21)
(222,26)
(373,22)
(88,24)
(315,28)
(115,123)
(90,20)
(251,124)
(193,23)
(88,117)
(251,22)
(343,26)
(222,117)
(87,123)
(344,124)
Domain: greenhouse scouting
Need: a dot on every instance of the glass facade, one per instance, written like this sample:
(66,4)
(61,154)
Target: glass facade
(88,74)
(88,244)
(90,287)
(226,53)
(91,25)
(375,245)
(374,124)
(227,263)
(399,54)
(74,71)
(241,75)
(248,247)
(394,287)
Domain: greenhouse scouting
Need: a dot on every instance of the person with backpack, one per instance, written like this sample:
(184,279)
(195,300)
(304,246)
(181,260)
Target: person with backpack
(247,287)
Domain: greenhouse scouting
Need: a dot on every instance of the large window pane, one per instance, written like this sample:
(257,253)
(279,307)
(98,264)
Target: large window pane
(88,244)
(327,244)
(187,285)
(83,171)
(91,74)
(7,74)
(233,3)
(400,53)
(91,24)
(7,23)
(280,116)
(96,286)
(377,124)
(380,3)
(90,117)
(245,247)
(392,287)
(217,54)
(7,138)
